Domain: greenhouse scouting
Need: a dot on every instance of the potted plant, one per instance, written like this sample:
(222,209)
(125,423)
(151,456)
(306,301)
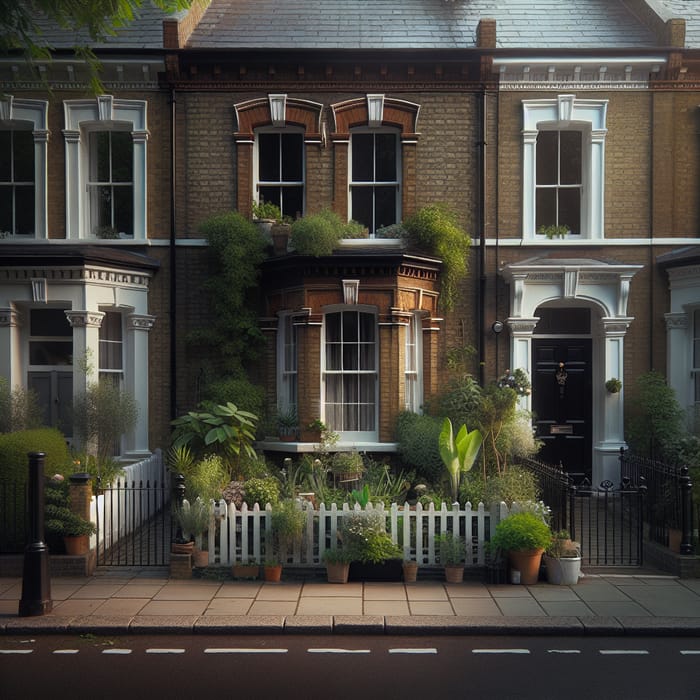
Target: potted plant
(337,563)
(347,466)
(452,553)
(313,431)
(524,536)
(287,529)
(245,570)
(287,424)
(562,560)
(410,570)
(613,385)
(193,521)
(554,231)
(63,522)
(374,556)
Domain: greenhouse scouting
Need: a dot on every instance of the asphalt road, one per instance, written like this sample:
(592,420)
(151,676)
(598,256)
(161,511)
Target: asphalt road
(338,667)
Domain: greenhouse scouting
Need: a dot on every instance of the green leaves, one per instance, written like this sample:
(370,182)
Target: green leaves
(458,453)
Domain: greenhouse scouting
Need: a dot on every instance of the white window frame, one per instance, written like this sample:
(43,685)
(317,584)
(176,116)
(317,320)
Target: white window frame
(567,113)
(103,340)
(351,435)
(413,366)
(287,349)
(281,183)
(397,184)
(104,113)
(32,114)
(695,357)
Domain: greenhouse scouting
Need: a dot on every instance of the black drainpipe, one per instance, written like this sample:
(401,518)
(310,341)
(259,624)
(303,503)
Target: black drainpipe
(173,262)
(482,239)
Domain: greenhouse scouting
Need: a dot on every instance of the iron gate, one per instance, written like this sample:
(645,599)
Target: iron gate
(134,524)
(608,523)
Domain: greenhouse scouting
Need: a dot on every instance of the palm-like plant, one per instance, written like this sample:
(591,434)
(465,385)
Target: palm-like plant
(458,452)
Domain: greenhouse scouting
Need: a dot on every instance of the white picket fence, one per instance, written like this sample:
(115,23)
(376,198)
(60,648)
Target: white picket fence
(129,503)
(239,535)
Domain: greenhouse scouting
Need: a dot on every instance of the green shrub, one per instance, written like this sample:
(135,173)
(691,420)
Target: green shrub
(472,489)
(262,491)
(207,478)
(521,531)
(19,408)
(60,519)
(364,535)
(316,234)
(513,485)
(417,436)
(15,446)
(434,229)
(451,549)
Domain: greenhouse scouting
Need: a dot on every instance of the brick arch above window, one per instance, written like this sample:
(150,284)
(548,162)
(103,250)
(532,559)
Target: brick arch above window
(256,113)
(396,113)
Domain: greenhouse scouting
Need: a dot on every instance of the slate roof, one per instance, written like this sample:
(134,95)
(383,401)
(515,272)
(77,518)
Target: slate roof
(397,24)
(689,10)
(417,24)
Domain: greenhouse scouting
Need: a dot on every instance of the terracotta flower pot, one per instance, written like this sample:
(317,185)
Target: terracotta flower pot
(454,573)
(337,573)
(410,571)
(182,547)
(249,571)
(200,558)
(76,544)
(527,562)
(273,573)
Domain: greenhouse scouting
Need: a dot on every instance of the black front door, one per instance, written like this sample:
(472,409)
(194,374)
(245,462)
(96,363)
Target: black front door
(561,402)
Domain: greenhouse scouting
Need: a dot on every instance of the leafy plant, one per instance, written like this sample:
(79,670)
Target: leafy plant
(315,235)
(435,229)
(219,427)
(516,484)
(562,546)
(339,555)
(19,408)
(418,438)
(365,536)
(193,518)
(458,452)
(267,211)
(521,531)
(60,519)
(451,548)
(554,231)
(288,522)
(345,463)
(361,496)
(262,490)
(613,385)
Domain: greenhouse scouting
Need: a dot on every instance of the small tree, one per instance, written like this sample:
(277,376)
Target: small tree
(19,408)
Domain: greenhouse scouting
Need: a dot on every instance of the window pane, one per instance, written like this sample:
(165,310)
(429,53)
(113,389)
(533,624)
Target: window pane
(333,327)
(110,355)
(122,156)
(361,202)
(5,156)
(367,356)
(545,207)
(24,210)
(547,158)
(100,207)
(570,208)
(350,358)
(6,208)
(50,352)
(350,330)
(333,357)
(111,328)
(270,194)
(24,156)
(124,209)
(570,168)
(99,156)
(386,158)
(293,201)
(269,157)
(367,388)
(292,157)
(362,158)
(385,206)
(367,327)
(50,322)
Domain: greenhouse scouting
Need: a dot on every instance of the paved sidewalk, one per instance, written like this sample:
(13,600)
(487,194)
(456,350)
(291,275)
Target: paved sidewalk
(147,601)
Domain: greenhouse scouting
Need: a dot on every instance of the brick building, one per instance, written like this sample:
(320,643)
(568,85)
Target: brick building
(577,115)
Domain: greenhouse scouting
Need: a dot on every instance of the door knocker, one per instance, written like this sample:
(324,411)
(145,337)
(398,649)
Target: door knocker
(561,376)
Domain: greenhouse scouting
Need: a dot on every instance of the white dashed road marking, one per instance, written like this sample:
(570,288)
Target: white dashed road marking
(690,652)
(117,652)
(16,651)
(165,651)
(563,651)
(413,651)
(215,650)
(66,651)
(338,651)
(623,652)
(500,651)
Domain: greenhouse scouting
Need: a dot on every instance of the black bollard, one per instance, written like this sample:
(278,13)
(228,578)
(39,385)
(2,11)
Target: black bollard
(36,580)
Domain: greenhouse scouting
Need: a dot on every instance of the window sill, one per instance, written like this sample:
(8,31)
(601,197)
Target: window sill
(272,445)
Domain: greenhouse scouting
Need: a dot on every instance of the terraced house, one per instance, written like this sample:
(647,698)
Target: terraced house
(564,135)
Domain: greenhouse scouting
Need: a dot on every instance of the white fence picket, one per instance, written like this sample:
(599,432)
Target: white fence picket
(241,533)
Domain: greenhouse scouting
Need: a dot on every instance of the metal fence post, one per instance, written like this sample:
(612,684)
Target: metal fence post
(179,498)
(36,579)
(686,487)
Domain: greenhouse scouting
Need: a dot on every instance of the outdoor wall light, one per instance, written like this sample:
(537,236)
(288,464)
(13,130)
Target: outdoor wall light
(497,327)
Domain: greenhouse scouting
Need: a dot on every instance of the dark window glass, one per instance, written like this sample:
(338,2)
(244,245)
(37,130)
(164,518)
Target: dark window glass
(24,210)
(570,208)
(49,322)
(547,158)
(5,156)
(386,158)
(563,321)
(545,207)
(23,156)
(6,209)
(122,156)
(124,210)
(385,207)
(363,157)
(362,203)
(570,157)
(269,157)
(292,157)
